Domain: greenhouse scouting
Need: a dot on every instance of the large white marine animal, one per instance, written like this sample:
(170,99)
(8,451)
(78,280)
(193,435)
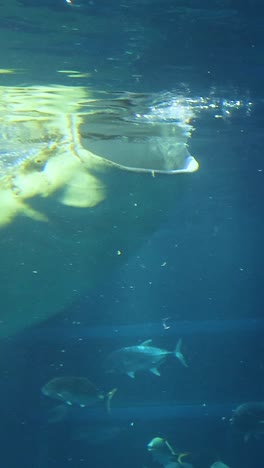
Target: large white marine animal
(69,216)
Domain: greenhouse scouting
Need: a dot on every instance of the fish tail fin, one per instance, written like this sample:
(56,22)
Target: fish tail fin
(180,456)
(176,455)
(178,353)
(109,397)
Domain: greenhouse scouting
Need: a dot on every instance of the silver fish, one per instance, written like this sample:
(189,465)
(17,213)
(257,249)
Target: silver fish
(163,453)
(132,359)
(76,391)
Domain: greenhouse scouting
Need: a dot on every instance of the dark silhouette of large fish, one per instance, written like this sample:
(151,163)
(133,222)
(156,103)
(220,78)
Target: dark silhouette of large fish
(248,419)
(76,391)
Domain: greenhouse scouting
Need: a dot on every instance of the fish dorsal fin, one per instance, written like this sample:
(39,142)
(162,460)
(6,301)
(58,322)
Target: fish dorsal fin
(155,371)
(146,343)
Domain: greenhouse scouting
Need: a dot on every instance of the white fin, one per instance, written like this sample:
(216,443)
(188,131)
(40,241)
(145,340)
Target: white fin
(179,354)
(146,343)
(155,371)
(68,403)
(82,405)
(131,374)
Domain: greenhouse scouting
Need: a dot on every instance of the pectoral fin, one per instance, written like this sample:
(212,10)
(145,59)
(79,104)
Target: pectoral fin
(155,371)
(58,414)
(131,374)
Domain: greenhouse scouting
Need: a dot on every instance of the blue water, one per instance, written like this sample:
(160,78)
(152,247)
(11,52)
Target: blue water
(199,277)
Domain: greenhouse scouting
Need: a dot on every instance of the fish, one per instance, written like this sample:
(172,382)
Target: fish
(76,391)
(219,464)
(163,453)
(132,359)
(68,210)
(248,419)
